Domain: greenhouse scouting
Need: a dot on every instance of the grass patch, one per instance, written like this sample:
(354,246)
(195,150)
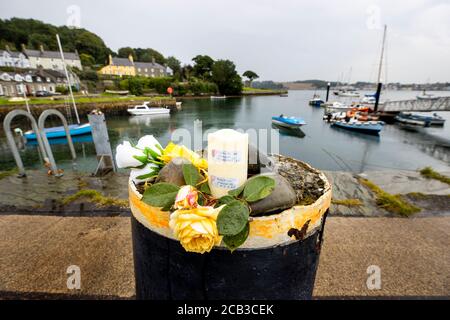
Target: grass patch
(390,202)
(95,197)
(429,173)
(38,101)
(347,202)
(8,173)
(417,195)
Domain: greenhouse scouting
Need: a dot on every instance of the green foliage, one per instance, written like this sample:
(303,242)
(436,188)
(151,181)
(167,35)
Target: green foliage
(125,53)
(191,175)
(228,81)
(142,55)
(202,67)
(233,218)
(429,173)
(34,33)
(65,89)
(258,188)
(175,65)
(234,242)
(87,60)
(96,197)
(161,195)
(250,75)
(390,202)
(225,200)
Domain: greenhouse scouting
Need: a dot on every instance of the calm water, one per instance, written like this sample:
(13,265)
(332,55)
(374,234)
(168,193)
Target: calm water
(322,146)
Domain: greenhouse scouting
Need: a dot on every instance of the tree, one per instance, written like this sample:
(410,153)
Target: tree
(175,65)
(125,52)
(87,60)
(250,75)
(148,54)
(203,66)
(224,74)
(186,72)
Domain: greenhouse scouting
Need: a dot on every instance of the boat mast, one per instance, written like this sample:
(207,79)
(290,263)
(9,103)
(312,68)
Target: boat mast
(68,79)
(380,67)
(377,97)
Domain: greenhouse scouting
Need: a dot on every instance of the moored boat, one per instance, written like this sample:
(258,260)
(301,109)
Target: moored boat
(144,109)
(288,122)
(427,96)
(316,101)
(218,97)
(367,127)
(420,120)
(59,132)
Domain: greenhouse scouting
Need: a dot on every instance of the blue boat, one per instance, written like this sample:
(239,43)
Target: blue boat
(368,127)
(288,122)
(316,102)
(58,132)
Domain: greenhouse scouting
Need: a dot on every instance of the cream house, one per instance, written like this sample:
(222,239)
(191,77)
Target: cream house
(52,59)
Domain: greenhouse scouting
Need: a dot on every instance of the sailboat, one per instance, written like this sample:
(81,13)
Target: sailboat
(74,129)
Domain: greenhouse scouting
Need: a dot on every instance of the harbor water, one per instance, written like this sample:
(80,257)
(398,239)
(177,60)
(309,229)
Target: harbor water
(318,143)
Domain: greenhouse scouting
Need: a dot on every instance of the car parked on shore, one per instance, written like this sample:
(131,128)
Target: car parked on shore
(43,93)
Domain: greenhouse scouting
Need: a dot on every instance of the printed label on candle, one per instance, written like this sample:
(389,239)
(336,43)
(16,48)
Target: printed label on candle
(225,183)
(226,156)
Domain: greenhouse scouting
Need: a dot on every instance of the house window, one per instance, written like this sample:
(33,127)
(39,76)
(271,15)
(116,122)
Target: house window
(146,70)
(19,89)
(153,70)
(139,69)
(1,90)
(48,79)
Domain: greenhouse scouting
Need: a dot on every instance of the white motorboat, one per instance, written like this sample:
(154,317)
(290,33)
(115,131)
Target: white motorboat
(144,109)
(337,106)
(218,97)
(349,94)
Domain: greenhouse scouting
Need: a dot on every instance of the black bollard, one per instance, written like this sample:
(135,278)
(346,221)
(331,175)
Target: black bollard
(377,97)
(328,91)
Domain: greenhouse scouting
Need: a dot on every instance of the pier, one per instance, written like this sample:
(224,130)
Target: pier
(440,104)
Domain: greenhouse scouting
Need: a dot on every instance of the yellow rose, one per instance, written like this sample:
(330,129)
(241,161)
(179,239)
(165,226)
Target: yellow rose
(196,228)
(174,151)
(187,197)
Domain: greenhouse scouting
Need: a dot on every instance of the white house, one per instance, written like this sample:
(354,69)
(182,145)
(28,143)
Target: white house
(52,59)
(13,59)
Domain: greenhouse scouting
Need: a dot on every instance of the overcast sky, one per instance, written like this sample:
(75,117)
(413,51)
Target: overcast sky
(281,40)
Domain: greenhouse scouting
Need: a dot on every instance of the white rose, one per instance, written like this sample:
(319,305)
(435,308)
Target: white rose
(126,156)
(144,174)
(149,141)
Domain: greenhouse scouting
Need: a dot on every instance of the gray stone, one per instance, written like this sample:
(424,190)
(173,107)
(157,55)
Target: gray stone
(173,172)
(282,197)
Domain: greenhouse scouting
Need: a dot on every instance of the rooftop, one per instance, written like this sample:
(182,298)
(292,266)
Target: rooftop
(51,54)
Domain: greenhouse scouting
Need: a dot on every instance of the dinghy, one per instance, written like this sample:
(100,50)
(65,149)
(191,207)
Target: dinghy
(58,132)
(288,122)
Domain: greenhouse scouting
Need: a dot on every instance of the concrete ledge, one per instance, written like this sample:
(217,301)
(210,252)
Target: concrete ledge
(35,252)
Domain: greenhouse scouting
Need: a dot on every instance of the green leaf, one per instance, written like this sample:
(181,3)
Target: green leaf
(234,242)
(152,154)
(148,175)
(204,187)
(232,218)
(190,174)
(161,195)
(236,192)
(258,188)
(225,200)
(142,159)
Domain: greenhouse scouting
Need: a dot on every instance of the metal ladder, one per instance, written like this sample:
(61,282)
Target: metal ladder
(39,129)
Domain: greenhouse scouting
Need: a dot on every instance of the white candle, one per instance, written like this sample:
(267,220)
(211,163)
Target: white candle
(227,161)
